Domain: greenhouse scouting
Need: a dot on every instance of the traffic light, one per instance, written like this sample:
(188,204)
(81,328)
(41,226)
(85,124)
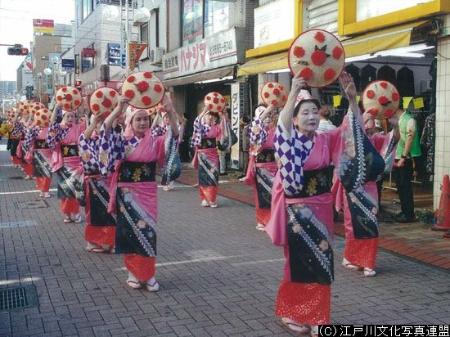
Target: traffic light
(78,84)
(18,50)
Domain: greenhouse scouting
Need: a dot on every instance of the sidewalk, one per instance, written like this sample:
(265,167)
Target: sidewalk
(413,240)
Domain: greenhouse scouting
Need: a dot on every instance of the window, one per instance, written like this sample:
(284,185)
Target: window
(144,37)
(192,21)
(218,16)
(87,8)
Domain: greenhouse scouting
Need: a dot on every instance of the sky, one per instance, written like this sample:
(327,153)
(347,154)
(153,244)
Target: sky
(16,26)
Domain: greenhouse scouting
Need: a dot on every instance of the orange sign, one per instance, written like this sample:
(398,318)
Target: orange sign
(43,26)
(135,51)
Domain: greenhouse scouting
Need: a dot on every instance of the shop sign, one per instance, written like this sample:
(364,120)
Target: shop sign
(235,120)
(212,52)
(43,26)
(113,55)
(68,64)
(274,22)
(88,52)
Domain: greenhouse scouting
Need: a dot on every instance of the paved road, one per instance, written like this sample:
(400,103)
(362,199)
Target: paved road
(219,276)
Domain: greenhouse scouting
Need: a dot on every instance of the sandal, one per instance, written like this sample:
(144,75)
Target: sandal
(94,249)
(369,272)
(152,286)
(302,329)
(134,284)
(67,219)
(348,265)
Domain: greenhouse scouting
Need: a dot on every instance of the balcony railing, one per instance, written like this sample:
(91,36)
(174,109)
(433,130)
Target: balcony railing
(117,2)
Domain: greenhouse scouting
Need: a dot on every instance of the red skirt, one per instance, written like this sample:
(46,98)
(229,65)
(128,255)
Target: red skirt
(69,206)
(43,183)
(362,253)
(208,193)
(142,267)
(100,235)
(305,303)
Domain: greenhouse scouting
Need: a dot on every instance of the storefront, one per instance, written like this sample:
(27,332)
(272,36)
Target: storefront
(192,71)
(402,51)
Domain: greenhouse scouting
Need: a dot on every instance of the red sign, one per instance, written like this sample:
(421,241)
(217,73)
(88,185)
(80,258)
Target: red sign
(88,52)
(135,51)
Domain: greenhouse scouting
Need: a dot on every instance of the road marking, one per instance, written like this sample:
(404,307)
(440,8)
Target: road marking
(256,262)
(24,192)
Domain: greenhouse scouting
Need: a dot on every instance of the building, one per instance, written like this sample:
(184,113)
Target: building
(46,50)
(25,76)
(99,42)
(402,42)
(198,45)
(7,89)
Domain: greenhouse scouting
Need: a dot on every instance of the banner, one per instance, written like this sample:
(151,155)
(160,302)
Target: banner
(43,26)
(135,51)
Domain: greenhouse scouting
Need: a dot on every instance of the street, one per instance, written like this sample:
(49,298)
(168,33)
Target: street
(218,275)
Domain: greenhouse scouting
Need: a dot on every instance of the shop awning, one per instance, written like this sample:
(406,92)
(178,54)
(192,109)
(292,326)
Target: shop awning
(203,76)
(264,64)
(391,38)
(386,39)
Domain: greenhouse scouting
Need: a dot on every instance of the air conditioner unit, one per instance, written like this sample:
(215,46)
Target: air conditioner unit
(141,16)
(156,55)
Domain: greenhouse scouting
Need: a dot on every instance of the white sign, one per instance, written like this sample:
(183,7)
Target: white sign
(274,22)
(212,52)
(235,119)
(366,9)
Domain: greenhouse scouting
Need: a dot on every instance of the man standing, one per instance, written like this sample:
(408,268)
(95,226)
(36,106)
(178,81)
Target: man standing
(408,148)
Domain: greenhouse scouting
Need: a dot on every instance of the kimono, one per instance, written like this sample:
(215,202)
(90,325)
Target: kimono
(39,155)
(361,236)
(66,163)
(302,223)
(172,161)
(100,227)
(133,195)
(206,159)
(262,169)
(16,134)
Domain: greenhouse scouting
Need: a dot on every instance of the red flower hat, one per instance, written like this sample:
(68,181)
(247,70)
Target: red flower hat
(273,93)
(103,101)
(381,99)
(318,56)
(42,118)
(68,98)
(214,102)
(143,89)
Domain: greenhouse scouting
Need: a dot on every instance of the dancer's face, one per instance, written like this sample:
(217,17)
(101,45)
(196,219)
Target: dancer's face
(308,117)
(140,122)
(69,118)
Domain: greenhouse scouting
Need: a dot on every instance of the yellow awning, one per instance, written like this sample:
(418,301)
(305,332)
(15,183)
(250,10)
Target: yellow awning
(264,64)
(386,39)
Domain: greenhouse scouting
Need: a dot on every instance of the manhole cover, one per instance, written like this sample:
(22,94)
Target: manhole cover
(17,224)
(32,204)
(18,298)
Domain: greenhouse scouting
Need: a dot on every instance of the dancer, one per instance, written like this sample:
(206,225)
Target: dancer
(39,154)
(63,140)
(133,192)
(262,167)
(16,130)
(100,230)
(361,236)
(207,133)
(302,207)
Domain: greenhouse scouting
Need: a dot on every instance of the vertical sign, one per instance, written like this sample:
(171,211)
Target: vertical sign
(235,118)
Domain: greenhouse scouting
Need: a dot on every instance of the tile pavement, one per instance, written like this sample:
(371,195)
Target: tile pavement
(219,276)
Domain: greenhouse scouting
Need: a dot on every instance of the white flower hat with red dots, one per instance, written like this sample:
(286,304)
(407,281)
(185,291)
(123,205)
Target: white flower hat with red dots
(317,56)
(103,101)
(381,99)
(275,94)
(68,98)
(143,89)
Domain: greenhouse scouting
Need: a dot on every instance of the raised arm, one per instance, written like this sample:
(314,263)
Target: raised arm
(123,101)
(172,114)
(286,114)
